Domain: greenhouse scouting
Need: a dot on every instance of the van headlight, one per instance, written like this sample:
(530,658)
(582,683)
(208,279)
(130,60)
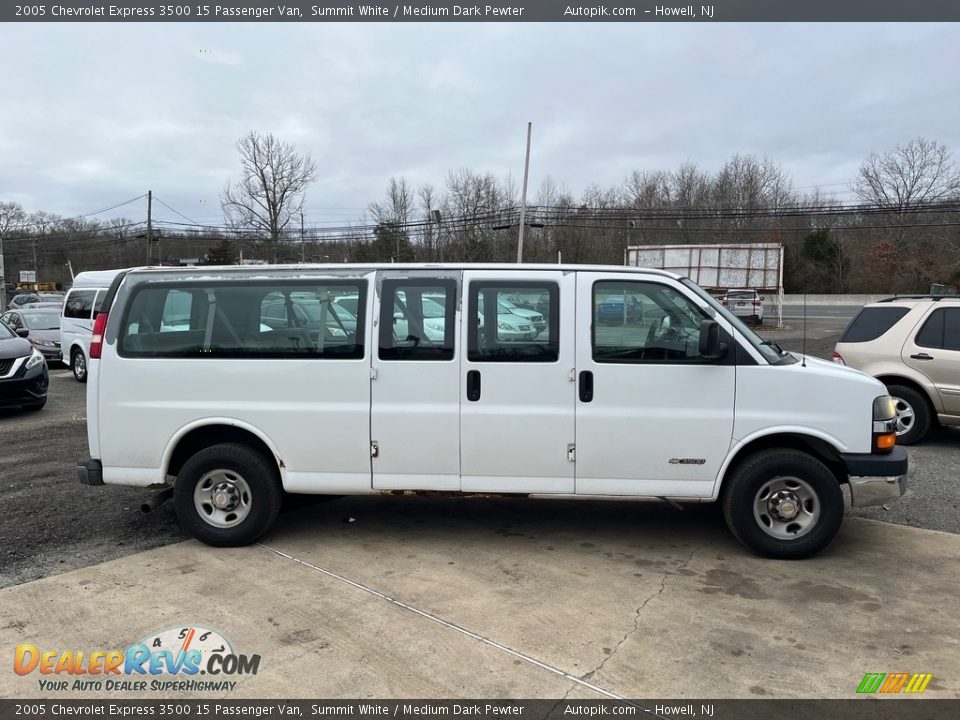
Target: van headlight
(884,423)
(35,359)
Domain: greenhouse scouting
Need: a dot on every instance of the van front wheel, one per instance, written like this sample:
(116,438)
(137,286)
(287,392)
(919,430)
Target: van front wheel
(783,503)
(227,495)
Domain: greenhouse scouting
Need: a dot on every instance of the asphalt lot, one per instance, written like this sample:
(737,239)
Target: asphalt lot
(51,523)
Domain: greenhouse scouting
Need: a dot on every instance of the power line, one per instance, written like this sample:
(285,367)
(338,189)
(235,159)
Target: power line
(175,211)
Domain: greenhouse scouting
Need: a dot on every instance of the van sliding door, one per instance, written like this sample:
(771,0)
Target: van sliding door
(415,389)
(517,389)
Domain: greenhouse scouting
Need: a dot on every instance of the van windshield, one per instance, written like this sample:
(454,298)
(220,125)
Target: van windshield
(766,349)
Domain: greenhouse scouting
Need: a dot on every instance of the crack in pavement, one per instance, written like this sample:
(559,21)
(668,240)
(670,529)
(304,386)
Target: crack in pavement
(561,700)
(636,617)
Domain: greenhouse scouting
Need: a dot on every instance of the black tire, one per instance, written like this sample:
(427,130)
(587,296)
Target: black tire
(261,499)
(78,364)
(914,405)
(816,488)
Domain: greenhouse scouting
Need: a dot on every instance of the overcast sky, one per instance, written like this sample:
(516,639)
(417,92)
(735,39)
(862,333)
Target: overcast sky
(94,114)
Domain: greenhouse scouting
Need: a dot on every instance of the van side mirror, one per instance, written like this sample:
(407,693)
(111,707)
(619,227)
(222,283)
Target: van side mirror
(710,346)
(22,332)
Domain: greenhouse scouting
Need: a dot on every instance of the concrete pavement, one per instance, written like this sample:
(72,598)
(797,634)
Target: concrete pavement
(431,597)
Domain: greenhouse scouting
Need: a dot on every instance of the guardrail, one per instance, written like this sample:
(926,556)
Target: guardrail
(822,299)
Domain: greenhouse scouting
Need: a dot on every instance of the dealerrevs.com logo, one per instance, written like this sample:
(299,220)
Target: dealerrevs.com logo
(185,658)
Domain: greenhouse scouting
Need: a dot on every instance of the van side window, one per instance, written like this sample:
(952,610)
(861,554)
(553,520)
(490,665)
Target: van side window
(79,304)
(644,322)
(243,320)
(417,319)
(514,322)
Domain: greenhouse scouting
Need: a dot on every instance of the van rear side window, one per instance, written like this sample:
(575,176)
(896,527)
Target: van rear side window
(79,304)
(872,322)
(244,320)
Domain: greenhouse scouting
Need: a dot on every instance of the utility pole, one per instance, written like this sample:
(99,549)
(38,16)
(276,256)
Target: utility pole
(36,270)
(301,236)
(523,199)
(149,225)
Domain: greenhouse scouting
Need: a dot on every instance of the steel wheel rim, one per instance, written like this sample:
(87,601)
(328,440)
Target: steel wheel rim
(905,416)
(222,498)
(786,507)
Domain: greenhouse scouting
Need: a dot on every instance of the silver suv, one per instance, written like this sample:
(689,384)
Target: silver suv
(745,303)
(912,345)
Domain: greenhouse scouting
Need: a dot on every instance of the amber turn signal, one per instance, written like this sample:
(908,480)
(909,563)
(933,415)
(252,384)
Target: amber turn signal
(885,441)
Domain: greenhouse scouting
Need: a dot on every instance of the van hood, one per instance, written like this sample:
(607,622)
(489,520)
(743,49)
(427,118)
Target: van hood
(828,367)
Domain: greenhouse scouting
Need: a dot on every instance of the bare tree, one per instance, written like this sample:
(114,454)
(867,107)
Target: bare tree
(397,204)
(12,218)
(431,229)
(392,215)
(921,171)
(273,179)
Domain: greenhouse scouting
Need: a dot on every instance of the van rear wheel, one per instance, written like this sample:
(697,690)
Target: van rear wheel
(78,364)
(783,503)
(227,495)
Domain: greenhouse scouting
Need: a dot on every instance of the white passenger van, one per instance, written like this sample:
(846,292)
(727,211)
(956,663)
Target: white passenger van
(198,383)
(82,302)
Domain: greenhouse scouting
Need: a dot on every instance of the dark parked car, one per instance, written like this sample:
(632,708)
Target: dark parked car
(42,324)
(23,372)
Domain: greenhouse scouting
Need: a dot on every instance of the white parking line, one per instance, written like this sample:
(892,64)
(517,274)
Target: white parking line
(451,626)
(63,374)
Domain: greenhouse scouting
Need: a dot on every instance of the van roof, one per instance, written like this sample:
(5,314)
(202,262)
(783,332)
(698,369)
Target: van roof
(286,271)
(95,278)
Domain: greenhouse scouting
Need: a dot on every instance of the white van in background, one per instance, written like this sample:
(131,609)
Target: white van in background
(80,306)
(228,386)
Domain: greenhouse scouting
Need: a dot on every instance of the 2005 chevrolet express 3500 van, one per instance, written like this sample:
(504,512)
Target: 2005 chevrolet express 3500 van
(236,384)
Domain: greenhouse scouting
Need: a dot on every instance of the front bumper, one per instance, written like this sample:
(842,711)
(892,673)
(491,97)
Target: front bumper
(25,386)
(50,352)
(876,479)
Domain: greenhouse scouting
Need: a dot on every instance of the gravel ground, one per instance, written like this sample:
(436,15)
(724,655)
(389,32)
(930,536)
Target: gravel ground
(49,523)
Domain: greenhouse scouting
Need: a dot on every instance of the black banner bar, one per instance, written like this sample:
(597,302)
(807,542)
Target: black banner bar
(298,11)
(873,708)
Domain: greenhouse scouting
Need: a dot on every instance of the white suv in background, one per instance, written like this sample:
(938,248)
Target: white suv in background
(744,303)
(912,345)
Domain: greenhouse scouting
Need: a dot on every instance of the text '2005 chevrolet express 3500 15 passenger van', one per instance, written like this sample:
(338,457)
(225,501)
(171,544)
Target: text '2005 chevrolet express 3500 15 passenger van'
(234,385)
